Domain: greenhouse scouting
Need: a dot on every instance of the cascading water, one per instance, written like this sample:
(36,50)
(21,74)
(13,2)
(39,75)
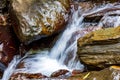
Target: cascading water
(62,49)
(47,62)
(10,69)
(8,72)
(61,56)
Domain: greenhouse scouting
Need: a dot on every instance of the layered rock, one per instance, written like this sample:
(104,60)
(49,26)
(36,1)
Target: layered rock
(112,73)
(100,49)
(108,10)
(34,19)
(100,14)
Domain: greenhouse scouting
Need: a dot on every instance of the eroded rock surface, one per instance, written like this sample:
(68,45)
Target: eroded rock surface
(33,19)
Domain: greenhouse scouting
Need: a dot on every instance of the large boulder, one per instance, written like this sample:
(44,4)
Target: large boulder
(100,49)
(34,19)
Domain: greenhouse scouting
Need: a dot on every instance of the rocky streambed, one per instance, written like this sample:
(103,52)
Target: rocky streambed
(60,39)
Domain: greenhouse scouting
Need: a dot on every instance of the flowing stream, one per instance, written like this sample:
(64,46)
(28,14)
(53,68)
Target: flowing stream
(61,56)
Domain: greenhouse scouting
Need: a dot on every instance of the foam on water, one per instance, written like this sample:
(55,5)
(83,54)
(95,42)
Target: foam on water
(47,62)
(61,56)
(41,64)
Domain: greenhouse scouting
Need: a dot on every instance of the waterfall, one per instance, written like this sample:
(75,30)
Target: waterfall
(61,56)
(47,62)
(63,49)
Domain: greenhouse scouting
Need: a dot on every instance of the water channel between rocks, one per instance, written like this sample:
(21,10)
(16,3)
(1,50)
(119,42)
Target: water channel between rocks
(61,56)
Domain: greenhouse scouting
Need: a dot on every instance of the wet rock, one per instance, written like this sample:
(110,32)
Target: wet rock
(59,73)
(26,76)
(34,19)
(88,5)
(110,21)
(100,49)
(112,73)
(8,42)
(96,16)
(75,72)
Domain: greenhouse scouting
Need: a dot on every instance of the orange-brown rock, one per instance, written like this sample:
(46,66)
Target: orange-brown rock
(75,72)
(59,73)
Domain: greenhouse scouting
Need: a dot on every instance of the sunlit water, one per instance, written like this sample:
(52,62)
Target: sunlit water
(63,53)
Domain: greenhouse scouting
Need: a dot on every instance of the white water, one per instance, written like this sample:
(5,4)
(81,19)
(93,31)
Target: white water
(47,62)
(61,49)
(8,72)
(61,56)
